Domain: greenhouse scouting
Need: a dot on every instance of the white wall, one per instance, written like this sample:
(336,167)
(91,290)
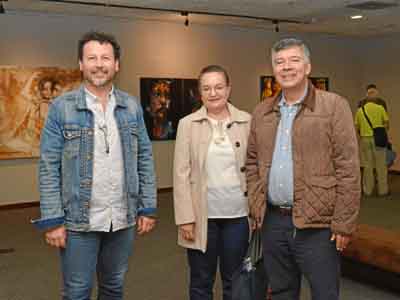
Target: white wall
(155,49)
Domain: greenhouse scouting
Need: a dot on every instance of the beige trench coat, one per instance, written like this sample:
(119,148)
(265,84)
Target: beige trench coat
(190,181)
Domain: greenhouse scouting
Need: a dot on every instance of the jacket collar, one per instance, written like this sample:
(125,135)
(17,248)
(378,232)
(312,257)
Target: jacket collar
(235,114)
(120,100)
(272,104)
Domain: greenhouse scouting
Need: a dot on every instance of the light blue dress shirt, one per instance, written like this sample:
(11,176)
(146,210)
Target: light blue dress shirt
(280,186)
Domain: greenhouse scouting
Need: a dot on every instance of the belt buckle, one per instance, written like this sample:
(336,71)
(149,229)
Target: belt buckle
(285,207)
(285,210)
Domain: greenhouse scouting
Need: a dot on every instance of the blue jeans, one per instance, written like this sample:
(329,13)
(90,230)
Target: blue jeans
(88,252)
(227,241)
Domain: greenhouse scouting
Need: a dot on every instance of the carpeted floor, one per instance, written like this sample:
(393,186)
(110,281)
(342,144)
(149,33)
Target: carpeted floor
(158,269)
(383,211)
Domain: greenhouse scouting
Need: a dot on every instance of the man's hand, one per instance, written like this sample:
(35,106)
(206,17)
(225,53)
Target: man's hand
(187,231)
(145,224)
(56,237)
(341,241)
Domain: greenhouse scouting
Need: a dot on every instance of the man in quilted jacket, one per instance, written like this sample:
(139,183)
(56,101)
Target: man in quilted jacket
(303,177)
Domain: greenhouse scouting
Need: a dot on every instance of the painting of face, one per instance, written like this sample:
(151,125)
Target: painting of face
(165,101)
(46,90)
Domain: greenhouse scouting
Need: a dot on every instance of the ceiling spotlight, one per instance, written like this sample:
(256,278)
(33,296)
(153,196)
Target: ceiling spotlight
(185,14)
(356,17)
(2,10)
(276,25)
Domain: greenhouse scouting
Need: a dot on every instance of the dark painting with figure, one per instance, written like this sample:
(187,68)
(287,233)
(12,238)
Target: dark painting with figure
(164,102)
(268,86)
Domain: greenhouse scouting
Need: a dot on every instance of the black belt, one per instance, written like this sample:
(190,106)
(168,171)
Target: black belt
(282,210)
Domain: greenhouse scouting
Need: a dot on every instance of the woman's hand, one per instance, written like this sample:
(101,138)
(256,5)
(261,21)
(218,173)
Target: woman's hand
(187,231)
(255,224)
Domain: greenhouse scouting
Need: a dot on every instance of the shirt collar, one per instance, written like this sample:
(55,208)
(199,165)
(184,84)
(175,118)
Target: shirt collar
(235,114)
(283,101)
(92,98)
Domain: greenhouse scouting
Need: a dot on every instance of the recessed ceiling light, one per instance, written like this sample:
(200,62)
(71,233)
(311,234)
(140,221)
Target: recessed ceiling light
(356,17)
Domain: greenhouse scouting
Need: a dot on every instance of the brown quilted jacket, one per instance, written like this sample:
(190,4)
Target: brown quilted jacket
(325,161)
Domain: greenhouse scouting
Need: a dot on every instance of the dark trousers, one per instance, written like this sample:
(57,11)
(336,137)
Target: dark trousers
(290,253)
(227,243)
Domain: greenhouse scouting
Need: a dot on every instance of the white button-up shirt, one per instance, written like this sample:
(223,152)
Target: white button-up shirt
(108,204)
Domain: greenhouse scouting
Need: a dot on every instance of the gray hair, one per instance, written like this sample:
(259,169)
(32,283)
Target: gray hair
(289,43)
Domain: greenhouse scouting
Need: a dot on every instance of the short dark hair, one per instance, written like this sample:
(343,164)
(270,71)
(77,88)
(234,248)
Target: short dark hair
(216,69)
(102,38)
(371,86)
(289,43)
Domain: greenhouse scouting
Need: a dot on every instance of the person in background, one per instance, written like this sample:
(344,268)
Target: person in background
(96,174)
(210,202)
(303,178)
(372,157)
(372,96)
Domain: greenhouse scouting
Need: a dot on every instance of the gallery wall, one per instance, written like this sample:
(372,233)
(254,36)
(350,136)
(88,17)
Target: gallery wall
(159,49)
(382,57)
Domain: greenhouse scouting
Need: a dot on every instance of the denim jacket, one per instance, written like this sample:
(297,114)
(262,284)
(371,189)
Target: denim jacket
(66,161)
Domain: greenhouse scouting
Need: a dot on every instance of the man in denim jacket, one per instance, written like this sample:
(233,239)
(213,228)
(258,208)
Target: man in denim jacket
(97,179)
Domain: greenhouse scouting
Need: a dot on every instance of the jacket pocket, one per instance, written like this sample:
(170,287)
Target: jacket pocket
(322,194)
(72,137)
(323,181)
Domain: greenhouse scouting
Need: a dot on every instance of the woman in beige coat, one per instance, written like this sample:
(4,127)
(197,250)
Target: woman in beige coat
(210,197)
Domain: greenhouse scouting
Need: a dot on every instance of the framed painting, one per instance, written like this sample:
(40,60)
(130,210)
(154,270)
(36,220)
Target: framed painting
(25,96)
(165,101)
(321,83)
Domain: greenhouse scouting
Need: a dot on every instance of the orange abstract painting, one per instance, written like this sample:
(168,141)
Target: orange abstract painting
(25,96)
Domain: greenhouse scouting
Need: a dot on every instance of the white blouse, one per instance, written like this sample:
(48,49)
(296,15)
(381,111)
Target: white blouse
(225,197)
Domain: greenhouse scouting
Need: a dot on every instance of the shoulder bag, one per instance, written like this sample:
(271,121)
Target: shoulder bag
(380,135)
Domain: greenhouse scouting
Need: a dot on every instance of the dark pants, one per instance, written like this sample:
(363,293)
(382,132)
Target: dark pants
(227,241)
(290,253)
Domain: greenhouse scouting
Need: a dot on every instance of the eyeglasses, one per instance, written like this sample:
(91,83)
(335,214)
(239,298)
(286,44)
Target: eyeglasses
(104,129)
(218,89)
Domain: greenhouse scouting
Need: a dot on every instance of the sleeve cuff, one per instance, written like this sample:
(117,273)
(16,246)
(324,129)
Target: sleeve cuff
(147,212)
(48,223)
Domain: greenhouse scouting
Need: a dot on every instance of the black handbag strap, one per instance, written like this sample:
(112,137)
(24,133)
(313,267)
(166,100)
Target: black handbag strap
(365,114)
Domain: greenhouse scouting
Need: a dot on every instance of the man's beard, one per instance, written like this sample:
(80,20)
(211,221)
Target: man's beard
(100,82)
